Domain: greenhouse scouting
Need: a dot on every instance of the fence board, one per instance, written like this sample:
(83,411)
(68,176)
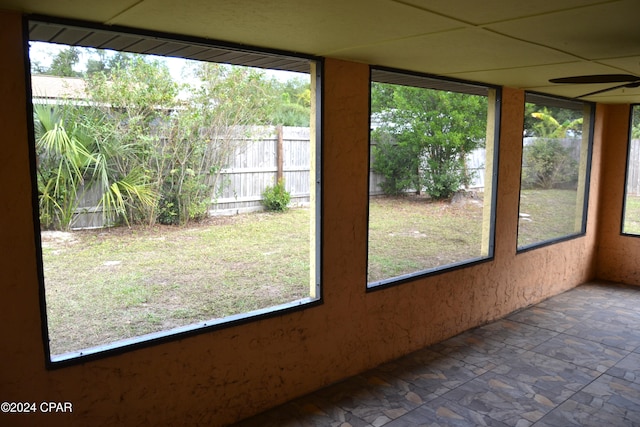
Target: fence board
(254,166)
(633,168)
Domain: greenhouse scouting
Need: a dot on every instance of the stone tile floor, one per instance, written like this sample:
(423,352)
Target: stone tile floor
(572,360)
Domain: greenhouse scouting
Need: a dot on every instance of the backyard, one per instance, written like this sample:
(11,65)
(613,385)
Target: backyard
(108,284)
(632,214)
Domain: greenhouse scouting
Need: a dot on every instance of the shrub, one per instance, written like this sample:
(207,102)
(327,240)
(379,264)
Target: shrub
(276,198)
(443,178)
(548,164)
(398,164)
(168,211)
(189,202)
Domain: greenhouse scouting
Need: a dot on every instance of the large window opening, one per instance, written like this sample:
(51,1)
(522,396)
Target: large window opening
(177,186)
(432,175)
(556,155)
(631,216)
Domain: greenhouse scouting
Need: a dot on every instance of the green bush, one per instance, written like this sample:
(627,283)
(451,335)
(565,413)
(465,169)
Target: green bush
(276,198)
(443,178)
(190,203)
(398,164)
(168,210)
(548,164)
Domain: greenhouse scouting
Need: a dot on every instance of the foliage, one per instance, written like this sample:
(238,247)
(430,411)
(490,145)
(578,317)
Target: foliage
(552,122)
(548,126)
(399,164)
(294,104)
(276,198)
(155,149)
(433,131)
(135,97)
(635,122)
(547,163)
(64,62)
(63,161)
(199,139)
(73,159)
(182,146)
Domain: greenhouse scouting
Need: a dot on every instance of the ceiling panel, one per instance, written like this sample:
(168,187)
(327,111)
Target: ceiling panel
(488,11)
(309,26)
(528,77)
(457,51)
(504,42)
(630,64)
(91,10)
(572,91)
(609,30)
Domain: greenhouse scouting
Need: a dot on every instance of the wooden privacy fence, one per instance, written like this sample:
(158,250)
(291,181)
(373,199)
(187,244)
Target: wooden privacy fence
(285,152)
(633,168)
(270,154)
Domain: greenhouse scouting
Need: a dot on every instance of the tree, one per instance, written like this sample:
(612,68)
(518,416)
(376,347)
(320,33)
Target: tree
(546,125)
(542,121)
(546,161)
(433,131)
(294,103)
(135,97)
(64,62)
(635,122)
(398,163)
(202,135)
(155,149)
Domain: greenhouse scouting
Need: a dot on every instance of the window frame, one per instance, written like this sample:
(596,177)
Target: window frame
(445,83)
(626,173)
(587,176)
(316,70)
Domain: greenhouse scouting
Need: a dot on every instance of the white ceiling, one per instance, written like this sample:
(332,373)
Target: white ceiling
(515,43)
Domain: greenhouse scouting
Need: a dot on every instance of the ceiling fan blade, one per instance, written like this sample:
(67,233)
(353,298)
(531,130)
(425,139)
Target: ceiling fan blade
(597,78)
(630,85)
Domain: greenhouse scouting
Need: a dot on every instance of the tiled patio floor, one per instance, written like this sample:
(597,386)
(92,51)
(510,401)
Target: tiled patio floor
(572,360)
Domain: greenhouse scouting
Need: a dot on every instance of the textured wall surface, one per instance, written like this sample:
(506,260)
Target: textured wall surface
(617,257)
(220,377)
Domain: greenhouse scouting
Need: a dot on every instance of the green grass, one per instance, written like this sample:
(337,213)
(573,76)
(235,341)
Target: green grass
(632,215)
(548,214)
(106,285)
(410,234)
(110,284)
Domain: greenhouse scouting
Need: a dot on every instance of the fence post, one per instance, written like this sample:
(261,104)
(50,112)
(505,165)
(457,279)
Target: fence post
(279,155)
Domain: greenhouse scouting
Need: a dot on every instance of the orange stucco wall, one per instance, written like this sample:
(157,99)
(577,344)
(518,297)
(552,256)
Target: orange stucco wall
(220,377)
(617,256)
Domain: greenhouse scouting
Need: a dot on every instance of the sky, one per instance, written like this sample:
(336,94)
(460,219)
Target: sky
(44,53)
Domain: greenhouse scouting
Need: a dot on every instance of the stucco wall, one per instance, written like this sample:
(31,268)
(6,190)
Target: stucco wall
(617,256)
(219,377)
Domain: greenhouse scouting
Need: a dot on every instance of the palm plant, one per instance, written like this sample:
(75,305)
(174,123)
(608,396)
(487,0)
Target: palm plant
(123,184)
(77,153)
(63,160)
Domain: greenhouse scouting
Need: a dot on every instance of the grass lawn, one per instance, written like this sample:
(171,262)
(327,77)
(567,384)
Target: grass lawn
(632,215)
(411,234)
(546,215)
(106,285)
